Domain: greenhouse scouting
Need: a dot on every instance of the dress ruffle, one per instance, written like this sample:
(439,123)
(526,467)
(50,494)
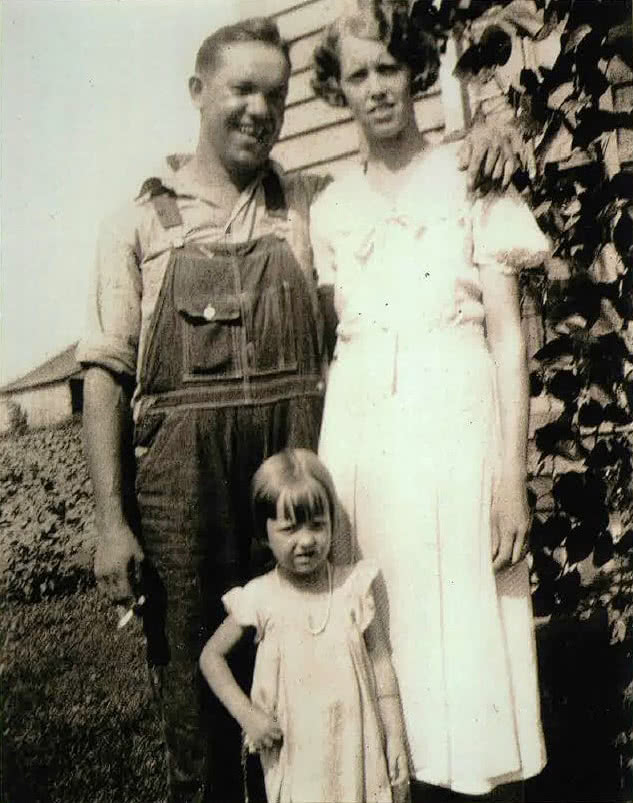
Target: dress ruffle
(506,235)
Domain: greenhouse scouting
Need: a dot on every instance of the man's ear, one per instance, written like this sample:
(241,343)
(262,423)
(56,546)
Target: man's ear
(195,89)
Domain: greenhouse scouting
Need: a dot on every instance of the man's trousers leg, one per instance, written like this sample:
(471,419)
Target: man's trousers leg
(193,487)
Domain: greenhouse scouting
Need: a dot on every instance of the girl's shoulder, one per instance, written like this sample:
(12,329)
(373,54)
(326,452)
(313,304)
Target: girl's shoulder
(249,604)
(355,577)
(355,591)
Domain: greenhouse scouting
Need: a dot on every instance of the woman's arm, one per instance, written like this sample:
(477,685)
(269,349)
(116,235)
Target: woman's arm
(388,703)
(511,516)
(261,729)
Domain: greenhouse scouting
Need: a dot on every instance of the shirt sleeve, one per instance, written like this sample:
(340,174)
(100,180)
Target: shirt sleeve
(506,235)
(113,317)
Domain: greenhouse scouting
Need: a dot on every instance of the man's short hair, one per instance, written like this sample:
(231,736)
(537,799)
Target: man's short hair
(255,29)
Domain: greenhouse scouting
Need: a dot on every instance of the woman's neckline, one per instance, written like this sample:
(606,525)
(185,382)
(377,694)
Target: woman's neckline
(395,182)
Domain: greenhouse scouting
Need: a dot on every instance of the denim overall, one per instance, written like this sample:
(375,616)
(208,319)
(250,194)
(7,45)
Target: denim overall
(230,375)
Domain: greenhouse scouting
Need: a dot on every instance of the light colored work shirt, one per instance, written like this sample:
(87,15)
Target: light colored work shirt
(133,252)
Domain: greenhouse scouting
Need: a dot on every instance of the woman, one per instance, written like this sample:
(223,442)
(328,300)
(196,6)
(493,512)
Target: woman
(425,420)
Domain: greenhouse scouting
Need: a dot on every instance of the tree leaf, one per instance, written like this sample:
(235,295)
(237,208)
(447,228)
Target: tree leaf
(604,550)
(549,534)
(602,455)
(565,385)
(624,546)
(621,185)
(567,589)
(495,46)
(573,38)
(581,542)
(554,438)
(590,414)
(543,599)
(536,383)
(559,347)
(582,497)
(592,123)
(546,567)
(615,414)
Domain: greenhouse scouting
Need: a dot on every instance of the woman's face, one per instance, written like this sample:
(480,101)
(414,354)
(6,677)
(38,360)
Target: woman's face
(377,88)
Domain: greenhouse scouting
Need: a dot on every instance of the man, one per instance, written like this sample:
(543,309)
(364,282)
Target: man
(204,316)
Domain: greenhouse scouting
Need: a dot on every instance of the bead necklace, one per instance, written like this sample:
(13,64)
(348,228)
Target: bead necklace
(318,630)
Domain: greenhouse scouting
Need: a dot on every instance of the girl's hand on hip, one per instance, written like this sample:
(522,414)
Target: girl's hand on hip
(510,523)
(262,730)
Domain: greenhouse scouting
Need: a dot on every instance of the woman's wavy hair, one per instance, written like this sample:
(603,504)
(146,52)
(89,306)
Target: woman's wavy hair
(410,35)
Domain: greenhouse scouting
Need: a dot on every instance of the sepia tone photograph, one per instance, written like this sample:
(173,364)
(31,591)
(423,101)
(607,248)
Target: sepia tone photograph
(316,401)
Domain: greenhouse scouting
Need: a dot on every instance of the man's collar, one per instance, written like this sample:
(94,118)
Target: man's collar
(177,176)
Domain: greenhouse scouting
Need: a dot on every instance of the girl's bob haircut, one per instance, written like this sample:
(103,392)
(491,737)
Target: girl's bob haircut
(409,34)
(294,484)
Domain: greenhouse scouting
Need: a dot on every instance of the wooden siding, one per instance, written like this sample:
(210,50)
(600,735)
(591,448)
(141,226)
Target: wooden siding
(328,137)
(318,137)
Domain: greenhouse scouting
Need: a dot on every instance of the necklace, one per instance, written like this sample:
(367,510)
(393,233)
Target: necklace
(315,631)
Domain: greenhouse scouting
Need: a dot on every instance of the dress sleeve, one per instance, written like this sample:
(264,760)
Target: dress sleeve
(323,252)
(361,595)
(244,605)
(506,235)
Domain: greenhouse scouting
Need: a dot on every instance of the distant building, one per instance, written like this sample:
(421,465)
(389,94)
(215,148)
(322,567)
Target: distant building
(48,395)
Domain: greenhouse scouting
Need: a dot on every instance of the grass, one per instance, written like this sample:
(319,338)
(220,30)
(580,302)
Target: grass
(79,723)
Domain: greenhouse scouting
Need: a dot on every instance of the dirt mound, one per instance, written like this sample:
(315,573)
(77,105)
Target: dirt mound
(46,513)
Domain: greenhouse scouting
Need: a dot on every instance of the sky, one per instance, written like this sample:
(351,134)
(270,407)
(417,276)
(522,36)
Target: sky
(93,95)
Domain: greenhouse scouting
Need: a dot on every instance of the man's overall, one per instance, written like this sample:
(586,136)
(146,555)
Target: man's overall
(231,373)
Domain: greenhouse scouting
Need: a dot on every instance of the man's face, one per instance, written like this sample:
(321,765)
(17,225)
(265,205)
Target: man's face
(241,103)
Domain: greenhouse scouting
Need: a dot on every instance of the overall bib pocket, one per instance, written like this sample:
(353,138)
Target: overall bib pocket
(211,317)
(231,335)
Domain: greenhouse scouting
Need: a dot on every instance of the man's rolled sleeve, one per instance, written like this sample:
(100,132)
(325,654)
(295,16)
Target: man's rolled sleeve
(114,302)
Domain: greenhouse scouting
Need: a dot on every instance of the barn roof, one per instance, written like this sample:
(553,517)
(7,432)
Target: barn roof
(59,368)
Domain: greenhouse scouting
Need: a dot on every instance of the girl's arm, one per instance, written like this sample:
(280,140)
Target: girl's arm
(511,517)
(262,729)
(389,703)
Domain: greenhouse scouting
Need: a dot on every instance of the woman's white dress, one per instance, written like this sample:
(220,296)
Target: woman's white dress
(410,434)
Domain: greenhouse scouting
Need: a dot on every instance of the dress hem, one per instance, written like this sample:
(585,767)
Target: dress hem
(483,788)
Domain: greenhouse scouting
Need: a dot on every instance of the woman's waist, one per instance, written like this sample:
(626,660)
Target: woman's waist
(441,362)
(411,337)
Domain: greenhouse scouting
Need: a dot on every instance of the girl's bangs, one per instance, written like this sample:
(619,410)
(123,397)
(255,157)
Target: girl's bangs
(303,501)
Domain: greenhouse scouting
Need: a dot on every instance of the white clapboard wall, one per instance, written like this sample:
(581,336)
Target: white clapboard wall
(320,138)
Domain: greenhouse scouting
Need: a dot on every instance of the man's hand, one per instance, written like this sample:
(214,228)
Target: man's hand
(490,155)
(118,561)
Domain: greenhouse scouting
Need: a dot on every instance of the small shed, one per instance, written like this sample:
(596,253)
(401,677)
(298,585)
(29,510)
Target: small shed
(47,395)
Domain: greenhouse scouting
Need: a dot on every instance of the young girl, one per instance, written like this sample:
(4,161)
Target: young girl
(324,711)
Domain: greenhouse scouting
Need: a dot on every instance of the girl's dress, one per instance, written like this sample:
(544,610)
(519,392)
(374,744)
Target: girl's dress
(411,436)
(321,689)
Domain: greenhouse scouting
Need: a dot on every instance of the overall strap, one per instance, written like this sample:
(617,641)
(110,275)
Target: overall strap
(163,201)
(274,195)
